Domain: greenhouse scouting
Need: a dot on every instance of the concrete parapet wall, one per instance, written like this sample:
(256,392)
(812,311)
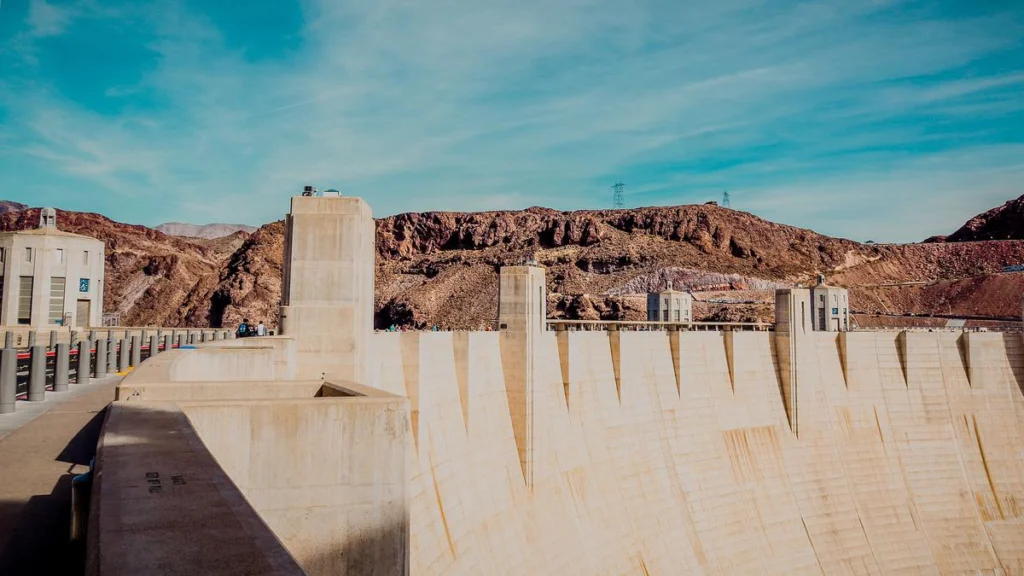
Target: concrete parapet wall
(242,360)
(161,504)
(328,475)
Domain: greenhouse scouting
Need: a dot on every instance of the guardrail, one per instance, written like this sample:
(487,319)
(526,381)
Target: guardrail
(613,325)
(29,373)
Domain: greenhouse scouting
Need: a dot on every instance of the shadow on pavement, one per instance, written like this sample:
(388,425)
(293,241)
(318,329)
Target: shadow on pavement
(39,530)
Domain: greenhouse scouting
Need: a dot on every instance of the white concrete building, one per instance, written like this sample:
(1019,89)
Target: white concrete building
(831,307)
(669,306)
(50,277)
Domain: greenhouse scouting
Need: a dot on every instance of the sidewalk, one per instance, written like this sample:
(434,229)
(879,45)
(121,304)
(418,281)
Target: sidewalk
(42,446)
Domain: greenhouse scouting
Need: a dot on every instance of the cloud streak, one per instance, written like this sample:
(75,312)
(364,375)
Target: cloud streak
(843,117)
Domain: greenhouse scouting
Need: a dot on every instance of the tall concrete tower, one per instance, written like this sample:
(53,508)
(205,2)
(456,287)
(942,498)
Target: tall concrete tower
(522,314)
(327,289)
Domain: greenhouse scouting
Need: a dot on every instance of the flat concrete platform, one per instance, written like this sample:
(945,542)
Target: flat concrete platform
(42,446)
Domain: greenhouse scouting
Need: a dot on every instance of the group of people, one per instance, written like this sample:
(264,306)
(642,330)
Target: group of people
(246,329)
(404,328)
(434,328)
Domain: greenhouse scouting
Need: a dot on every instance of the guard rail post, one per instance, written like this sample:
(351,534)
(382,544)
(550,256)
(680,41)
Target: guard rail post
(125,355)
(111,359)
(8,379)
(37,375)
(136,351)
(101,358)
(154,345)
(61,367)
(84,362)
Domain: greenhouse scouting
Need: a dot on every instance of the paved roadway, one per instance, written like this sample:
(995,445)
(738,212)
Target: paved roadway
(42,446)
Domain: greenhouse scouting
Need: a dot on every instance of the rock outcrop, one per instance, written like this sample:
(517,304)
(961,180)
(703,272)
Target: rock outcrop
(1005,222)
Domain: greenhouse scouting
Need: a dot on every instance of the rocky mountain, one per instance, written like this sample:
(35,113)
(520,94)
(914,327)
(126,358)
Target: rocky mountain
(148,273)
(442,267)
(206,231)
(1004,222)
(8,206)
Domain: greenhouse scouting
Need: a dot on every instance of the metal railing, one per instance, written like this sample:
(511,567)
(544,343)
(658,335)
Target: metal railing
(29,373)
(643,325)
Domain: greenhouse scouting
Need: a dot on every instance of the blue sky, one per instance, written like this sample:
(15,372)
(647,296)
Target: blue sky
(883,119)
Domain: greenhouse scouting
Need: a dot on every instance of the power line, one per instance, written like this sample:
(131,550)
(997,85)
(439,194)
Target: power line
(725,200)
(618,199)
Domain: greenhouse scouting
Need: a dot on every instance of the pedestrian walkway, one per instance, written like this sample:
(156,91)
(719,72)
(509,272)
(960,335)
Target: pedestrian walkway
(43,445)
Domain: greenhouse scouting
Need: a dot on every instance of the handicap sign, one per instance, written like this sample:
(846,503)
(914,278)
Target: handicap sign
(835,310)
(83,284)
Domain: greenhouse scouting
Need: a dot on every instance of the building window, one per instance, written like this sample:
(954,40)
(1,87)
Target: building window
(85,257)
(28,254)
(56,300)
(60,255)
(664,315)
(25,285)
(677,315)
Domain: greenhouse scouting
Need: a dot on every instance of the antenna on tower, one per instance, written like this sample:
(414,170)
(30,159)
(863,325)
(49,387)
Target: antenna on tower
(618,200)
(725,200)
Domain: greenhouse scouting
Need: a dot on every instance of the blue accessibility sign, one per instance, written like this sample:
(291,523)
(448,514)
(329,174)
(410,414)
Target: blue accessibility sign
(83,284)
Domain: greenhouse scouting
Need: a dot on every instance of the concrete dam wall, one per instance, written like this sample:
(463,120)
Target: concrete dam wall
(535,452)
(666,453)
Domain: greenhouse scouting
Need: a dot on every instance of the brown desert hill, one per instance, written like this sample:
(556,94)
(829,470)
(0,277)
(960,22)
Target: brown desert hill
(148,274)
(8,206)
(442,267)
(1004,222)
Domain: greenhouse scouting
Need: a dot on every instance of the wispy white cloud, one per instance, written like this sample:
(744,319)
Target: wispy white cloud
(462,105)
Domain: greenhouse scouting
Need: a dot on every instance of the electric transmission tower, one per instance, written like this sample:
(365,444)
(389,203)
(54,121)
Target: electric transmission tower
(618,200)
(725,200)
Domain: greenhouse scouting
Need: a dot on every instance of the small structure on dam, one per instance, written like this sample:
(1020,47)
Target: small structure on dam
(331,449)
(50,278)
(669,306)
